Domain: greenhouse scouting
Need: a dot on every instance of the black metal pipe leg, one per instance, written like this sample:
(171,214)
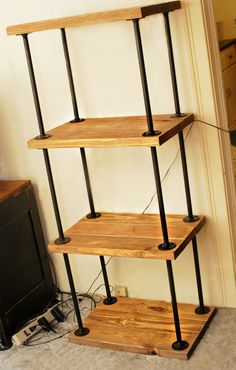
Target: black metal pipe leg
(62,239)
(93,213)
(109,300)
(190,217)
(201,310)
(166,245)
(180,344)
(34,88)
(82,330)
(70,77)
(151,131)
(172,67)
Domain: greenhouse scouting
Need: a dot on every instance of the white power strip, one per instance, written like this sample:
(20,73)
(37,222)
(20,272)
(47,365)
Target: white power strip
(32,328)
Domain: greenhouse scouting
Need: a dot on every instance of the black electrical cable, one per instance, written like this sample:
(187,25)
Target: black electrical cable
(48,341)
(30,341)
(211,125)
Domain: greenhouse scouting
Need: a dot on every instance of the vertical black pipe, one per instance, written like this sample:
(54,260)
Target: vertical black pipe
(179,345)
(109,300)
(166,245)
(34,88)
(70,77)
(201,309)
(151,131)
(62,239)
(82,330)
(93,213)
(192,218)
(172,64)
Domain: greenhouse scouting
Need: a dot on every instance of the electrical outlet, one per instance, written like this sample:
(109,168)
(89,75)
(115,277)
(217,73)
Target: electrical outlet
(121,291)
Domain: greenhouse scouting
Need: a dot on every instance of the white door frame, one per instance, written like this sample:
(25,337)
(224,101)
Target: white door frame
(201,26)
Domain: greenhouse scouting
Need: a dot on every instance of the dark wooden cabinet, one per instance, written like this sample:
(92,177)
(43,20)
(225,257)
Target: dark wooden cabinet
(26,284)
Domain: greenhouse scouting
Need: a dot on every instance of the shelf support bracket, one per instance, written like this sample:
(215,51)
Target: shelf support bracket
(180,344)
(172,67)
(151,131)
(70,77)
(82,331)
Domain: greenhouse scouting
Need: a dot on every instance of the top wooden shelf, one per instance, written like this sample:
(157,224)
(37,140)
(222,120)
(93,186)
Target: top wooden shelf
(111,132)
(91,18)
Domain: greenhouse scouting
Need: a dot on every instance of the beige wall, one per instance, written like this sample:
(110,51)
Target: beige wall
(108,84)
(225,12)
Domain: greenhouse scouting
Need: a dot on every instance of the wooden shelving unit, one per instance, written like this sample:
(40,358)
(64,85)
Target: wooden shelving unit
(149,327)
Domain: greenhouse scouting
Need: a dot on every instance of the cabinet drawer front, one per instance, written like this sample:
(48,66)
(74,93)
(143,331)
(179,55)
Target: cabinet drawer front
(228,57)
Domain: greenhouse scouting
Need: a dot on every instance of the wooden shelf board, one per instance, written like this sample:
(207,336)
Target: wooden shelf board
(91,18)
(143,326)
(112,132)
(128,235)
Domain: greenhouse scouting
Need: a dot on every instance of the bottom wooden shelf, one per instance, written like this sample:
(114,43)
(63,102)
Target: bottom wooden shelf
(143,326)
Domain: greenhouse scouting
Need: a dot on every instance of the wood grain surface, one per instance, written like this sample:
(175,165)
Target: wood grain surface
(11,188)
(128,235)
(143,326)
(112,132)
(91,18)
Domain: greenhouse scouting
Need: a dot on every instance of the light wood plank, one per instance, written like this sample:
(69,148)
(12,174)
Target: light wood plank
(10,188)
(91,18)
(112,132)
(128,235)
(143,326)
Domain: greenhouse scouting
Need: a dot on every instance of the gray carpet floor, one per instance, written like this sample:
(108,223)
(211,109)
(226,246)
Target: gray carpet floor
(217,350)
